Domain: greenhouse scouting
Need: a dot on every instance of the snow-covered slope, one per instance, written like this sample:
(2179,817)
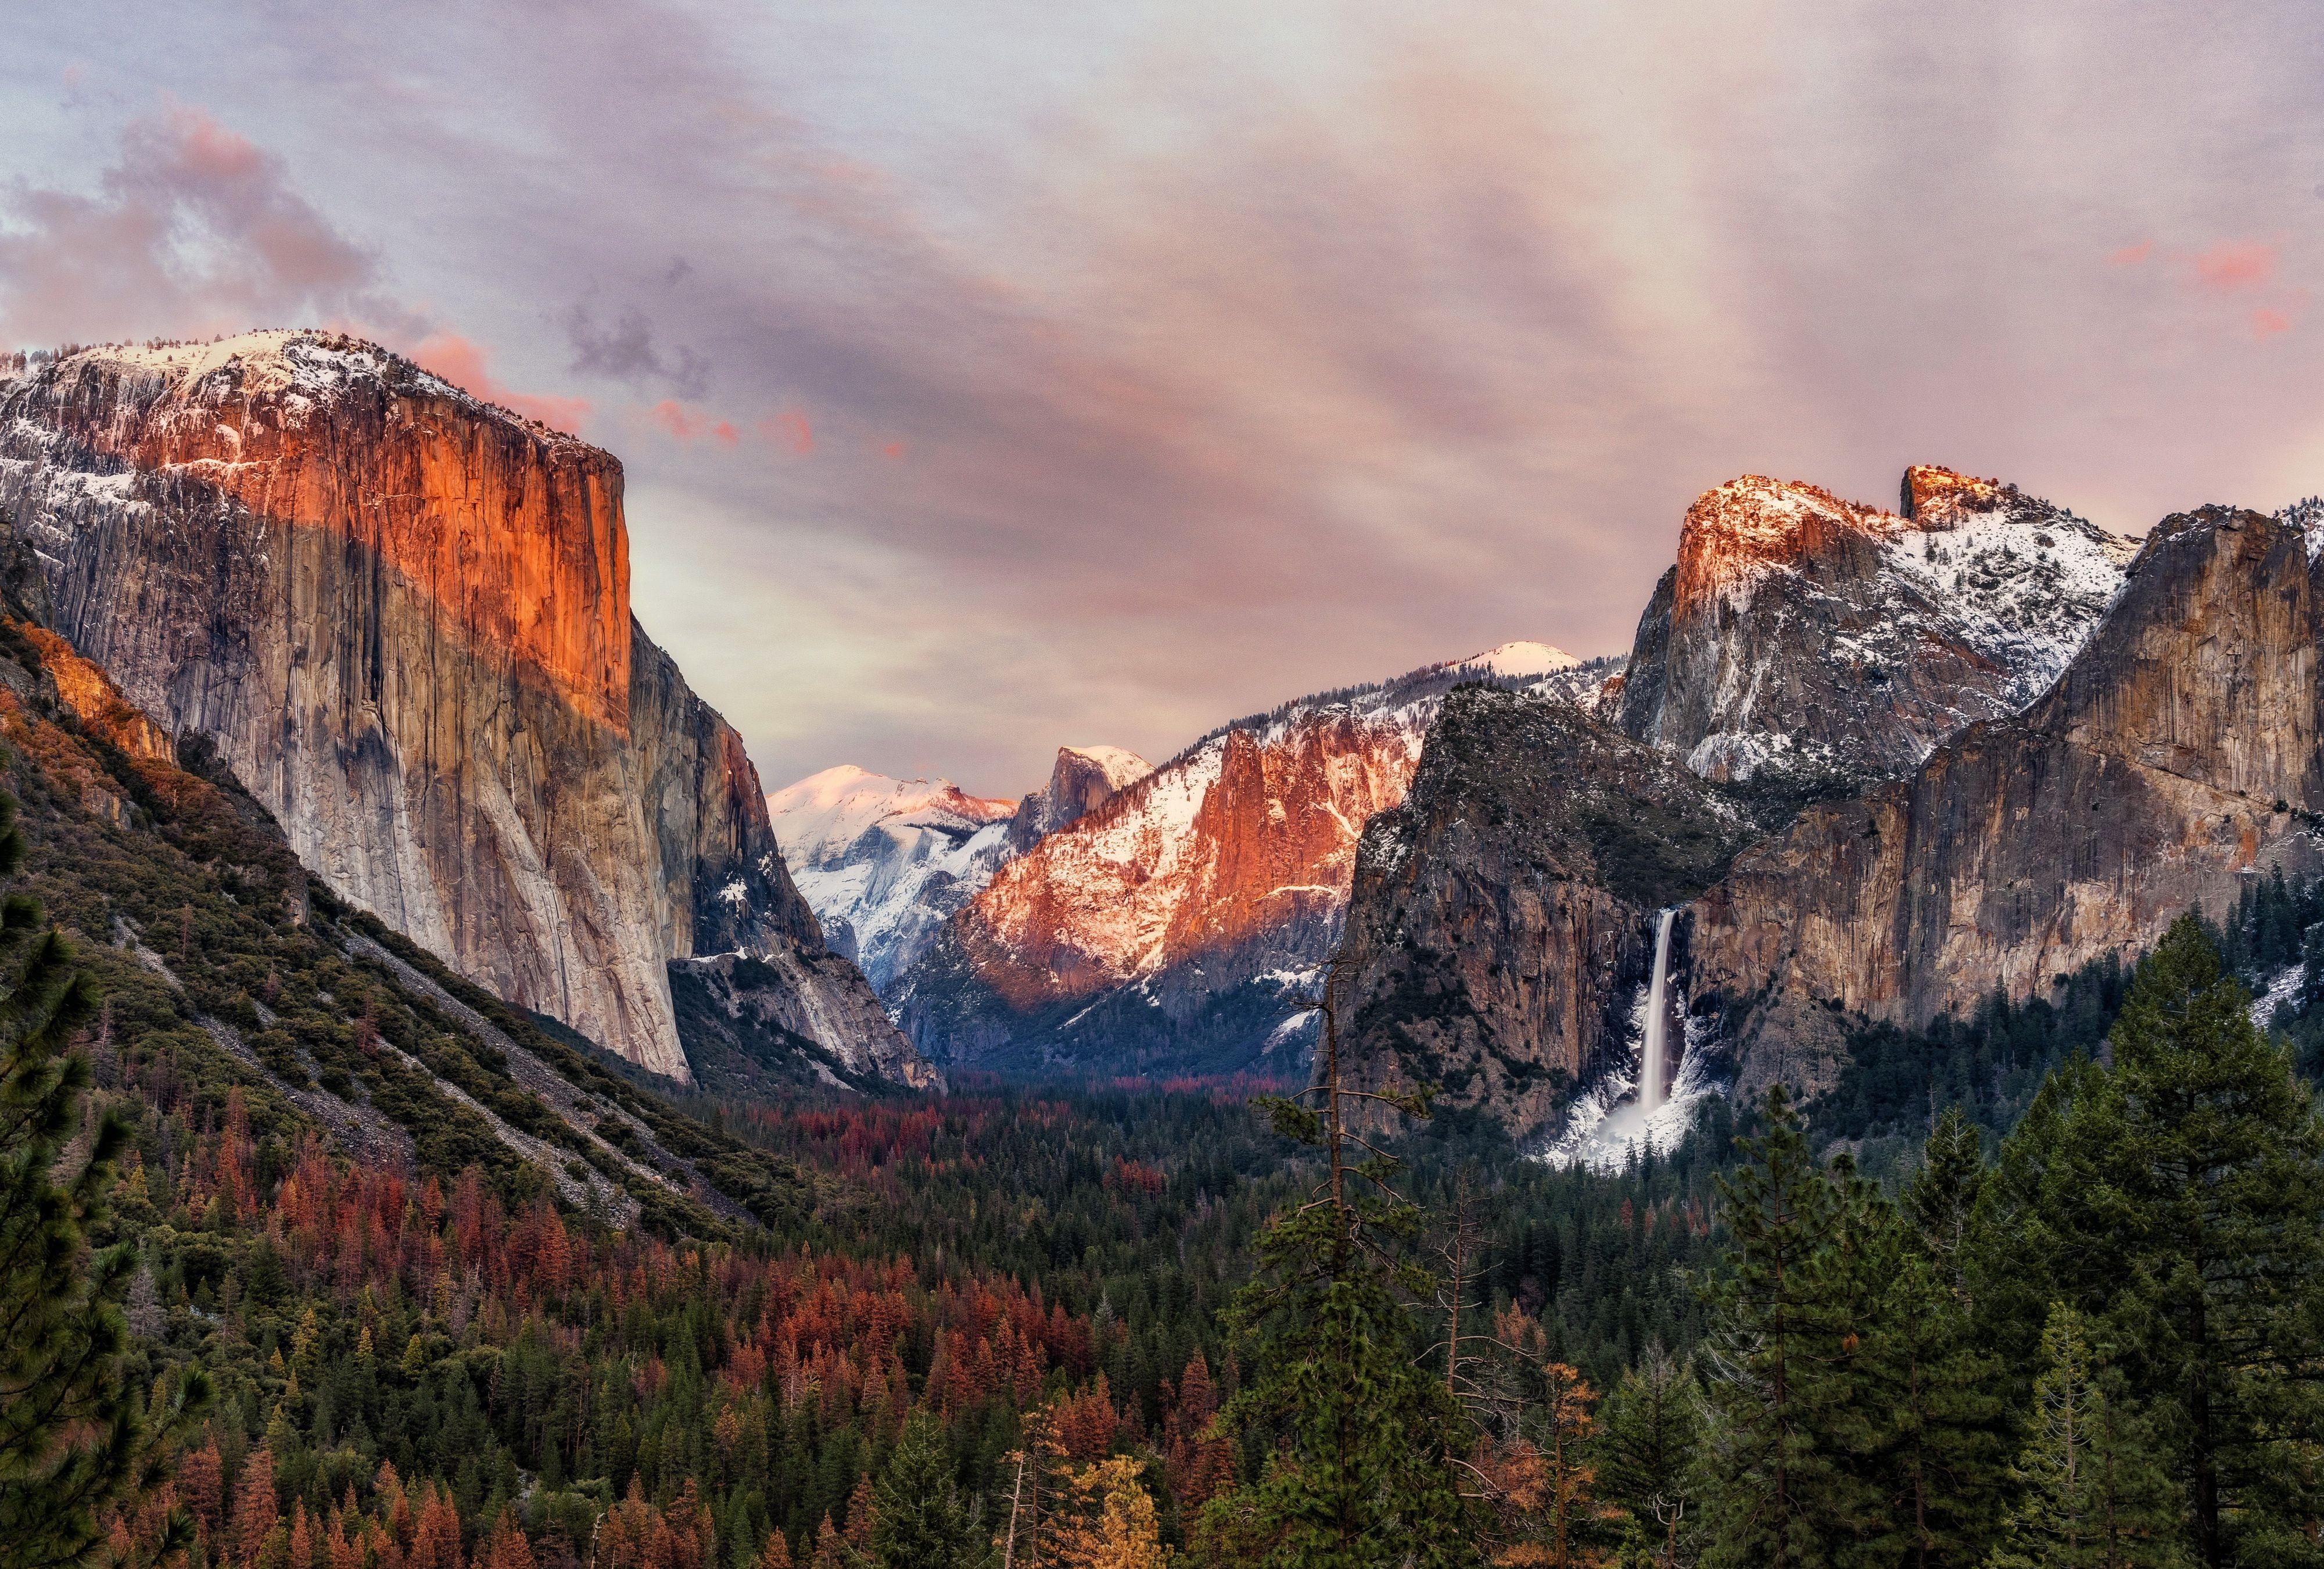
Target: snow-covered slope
(1807,634)
(884,862)
(1178,924)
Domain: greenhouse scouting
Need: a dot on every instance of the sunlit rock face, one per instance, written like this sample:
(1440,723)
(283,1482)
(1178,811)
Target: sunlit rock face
(1179,926)
(1834,642)
(1083,778)
(403,616)
(2178,754)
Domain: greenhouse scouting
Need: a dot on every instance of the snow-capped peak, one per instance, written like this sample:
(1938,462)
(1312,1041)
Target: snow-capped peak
(1515,660)
(821,819)
(883,861)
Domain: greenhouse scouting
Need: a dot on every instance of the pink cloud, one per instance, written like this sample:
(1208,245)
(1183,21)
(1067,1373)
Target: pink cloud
(682,423)
(193,229)
(788,429)
(2132,256)
(462,363)
(2233,265)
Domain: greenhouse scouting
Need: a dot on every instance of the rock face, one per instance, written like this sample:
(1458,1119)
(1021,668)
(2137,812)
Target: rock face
(1178,926)
(1503,919)
(1082,780)
(1803,647)
(1837,643)
(885,862)
(402,616)
(2178,752)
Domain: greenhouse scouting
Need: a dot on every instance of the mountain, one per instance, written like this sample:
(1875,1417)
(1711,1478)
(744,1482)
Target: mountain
(884,862)
(231,973)
(1081,780)
(401,616)
(1803,647)
(1501,924)
(1824,639)
(2178,756)
(1178,926)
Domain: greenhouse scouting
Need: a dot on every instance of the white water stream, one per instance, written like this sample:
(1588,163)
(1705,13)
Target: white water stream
(1654,1058)
(1649,1103)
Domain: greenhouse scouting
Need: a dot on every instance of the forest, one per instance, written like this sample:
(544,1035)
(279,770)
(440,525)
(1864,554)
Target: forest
(2037,1287)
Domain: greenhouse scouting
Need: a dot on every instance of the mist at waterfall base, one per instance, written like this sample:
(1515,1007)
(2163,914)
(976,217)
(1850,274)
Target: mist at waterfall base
(1639,1104)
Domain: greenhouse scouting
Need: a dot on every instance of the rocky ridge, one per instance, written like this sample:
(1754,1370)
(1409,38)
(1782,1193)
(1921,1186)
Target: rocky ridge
(1805,634)
(2177,756)
(401,617)
(1180,925)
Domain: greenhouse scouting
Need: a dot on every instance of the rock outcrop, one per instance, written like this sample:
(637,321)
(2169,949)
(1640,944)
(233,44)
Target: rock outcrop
(1179,926)
(1830,641)
(1081,780)
(1503,920)
(2177,756)
(401,617)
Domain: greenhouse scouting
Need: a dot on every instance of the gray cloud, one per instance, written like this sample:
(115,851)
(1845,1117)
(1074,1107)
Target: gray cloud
(192,229)
(1095,378)
(626,351)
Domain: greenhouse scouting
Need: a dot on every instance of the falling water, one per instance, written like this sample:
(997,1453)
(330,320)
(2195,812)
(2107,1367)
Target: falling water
(1654,1068)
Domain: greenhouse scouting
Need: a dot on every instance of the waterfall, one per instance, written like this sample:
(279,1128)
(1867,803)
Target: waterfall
(1654,1065)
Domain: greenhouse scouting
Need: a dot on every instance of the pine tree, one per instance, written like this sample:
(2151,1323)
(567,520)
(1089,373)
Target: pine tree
(1364,1444)
(1933,1393)
(2176,1198)
(1781,1489)
(76,1440)
(1648,1431)
(918,1520)
(2093,1496)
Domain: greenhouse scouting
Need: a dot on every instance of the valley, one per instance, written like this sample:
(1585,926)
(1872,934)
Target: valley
(534,1144)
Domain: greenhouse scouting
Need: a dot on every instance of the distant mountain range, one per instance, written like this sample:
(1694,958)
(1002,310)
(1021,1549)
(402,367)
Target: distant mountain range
(1124,918)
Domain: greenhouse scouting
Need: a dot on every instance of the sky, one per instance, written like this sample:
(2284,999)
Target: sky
(991,377)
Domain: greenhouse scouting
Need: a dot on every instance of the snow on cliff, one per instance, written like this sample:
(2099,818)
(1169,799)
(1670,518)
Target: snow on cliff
(883,862)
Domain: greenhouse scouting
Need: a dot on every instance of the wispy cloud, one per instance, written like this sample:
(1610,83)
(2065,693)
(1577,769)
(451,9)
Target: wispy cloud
(192,228)
(990,380)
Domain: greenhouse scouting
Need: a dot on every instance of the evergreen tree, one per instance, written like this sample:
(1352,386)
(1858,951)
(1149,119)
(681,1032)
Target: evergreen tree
(1647,1434)
(1780,1482)
(76,1440)
(1936,1446)
(917,1518)
(2176,1198)
(2093,1496)
(1364,1444)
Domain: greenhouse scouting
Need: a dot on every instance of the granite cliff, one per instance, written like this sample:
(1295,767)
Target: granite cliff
(401,616)
(1802,635)
(1179,926)
(2178,754)
(1503,918)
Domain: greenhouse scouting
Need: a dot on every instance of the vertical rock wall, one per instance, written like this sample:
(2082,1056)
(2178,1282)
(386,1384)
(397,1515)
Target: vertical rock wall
(403,615)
